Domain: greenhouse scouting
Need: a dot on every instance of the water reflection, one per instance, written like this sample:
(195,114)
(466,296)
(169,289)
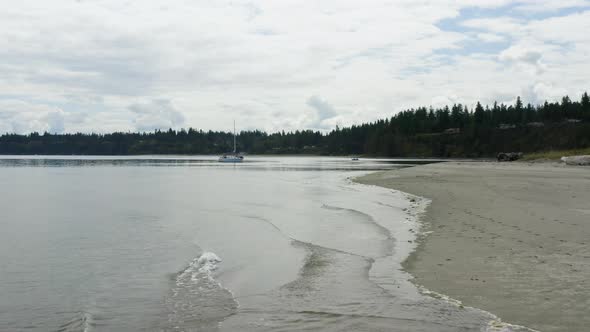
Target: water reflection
(252,162)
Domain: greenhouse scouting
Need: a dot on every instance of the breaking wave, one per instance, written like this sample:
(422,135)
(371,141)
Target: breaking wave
(197,302)
(82,322)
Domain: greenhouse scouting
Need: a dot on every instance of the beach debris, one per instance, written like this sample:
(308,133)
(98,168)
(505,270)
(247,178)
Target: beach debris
(452,131)
(509,156)
(577,160)
(504,126)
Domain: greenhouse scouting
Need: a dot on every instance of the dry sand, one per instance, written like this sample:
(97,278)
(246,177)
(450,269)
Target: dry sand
(512,239)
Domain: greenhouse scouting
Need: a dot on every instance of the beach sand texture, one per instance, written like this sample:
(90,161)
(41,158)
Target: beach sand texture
(512,239)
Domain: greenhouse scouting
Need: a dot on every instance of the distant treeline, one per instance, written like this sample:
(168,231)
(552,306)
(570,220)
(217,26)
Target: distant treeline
(454,131)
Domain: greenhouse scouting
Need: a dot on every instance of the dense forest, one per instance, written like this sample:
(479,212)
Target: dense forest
(451,131)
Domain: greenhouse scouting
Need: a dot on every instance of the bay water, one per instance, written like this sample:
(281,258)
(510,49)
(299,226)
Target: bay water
(176,243)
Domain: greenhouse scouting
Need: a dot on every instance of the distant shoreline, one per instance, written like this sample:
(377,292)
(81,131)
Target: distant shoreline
(253,154)
(186,156)
(511,239)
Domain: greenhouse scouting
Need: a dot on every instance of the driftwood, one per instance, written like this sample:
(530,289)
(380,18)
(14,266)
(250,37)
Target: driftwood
(509,156)
(577,160)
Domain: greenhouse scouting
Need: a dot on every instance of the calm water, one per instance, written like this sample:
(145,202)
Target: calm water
(187,244)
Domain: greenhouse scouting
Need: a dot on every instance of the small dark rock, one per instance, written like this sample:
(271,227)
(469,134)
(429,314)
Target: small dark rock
(509,156)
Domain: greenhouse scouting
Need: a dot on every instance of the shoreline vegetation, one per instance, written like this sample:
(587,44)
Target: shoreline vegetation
(508,238)
(448,132)
(554,155)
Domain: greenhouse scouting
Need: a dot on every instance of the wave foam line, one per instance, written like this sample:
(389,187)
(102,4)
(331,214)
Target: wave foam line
(83,322)
(205,264)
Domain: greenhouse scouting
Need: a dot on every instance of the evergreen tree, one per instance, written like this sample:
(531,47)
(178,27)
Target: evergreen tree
(585,103)
(479,114)
(518,106)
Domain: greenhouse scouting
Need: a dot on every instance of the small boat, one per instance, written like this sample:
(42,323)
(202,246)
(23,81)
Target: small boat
(355,158)
(233,157)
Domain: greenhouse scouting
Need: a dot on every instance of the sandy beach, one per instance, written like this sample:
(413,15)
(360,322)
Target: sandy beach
(512,239)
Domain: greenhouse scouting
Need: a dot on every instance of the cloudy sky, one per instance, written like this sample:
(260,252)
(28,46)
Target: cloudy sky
(114,65)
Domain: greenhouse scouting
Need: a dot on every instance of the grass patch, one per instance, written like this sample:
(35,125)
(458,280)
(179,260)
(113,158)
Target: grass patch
(555,154)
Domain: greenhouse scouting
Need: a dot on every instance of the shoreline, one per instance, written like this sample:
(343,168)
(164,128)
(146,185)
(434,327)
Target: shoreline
(510,239)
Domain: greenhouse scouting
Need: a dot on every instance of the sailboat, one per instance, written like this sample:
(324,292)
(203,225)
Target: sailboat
(234,157)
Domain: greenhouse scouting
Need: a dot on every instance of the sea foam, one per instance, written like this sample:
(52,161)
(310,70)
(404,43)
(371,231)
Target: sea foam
(202,266)
(197,300)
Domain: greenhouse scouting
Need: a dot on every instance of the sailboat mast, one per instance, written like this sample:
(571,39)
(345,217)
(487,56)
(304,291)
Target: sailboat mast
(234,136)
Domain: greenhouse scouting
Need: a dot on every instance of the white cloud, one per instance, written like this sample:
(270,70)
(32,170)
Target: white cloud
(444,100)
(157,114)
(203,64)
(490,37)
(521,55)
(536,6)
(20,117)
(539,92)
(322,111)
(502,25)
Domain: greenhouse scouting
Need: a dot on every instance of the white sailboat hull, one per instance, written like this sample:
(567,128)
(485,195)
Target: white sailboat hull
(234,157)
(231,159)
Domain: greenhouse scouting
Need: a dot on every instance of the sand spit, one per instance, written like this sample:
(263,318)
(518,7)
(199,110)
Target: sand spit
(512,239)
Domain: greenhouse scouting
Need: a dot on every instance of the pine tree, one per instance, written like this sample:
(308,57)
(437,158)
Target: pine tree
(518,105)
(565,110)
(519,116)
(585,106)
(479,114)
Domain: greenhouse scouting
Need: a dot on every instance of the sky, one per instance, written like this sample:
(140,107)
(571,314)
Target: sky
(139,65)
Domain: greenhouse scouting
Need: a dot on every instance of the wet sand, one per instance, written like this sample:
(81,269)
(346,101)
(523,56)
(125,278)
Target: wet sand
(512,239)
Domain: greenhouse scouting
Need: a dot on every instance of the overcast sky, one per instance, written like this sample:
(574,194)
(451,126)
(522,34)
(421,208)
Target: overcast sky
(114,65)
